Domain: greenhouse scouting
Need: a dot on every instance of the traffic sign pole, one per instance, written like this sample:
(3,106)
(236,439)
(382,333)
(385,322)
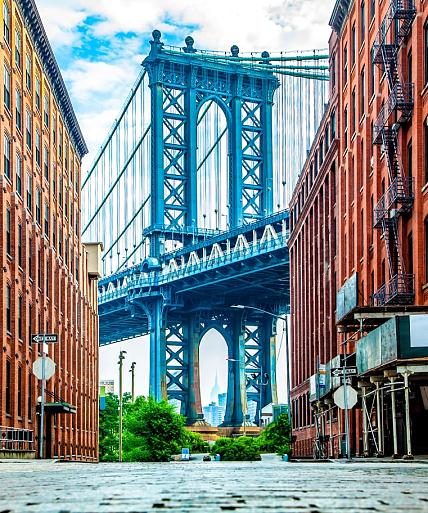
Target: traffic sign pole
(42,405)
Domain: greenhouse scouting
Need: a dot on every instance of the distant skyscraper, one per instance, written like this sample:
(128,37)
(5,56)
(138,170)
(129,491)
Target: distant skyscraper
(108,385)
(215,390)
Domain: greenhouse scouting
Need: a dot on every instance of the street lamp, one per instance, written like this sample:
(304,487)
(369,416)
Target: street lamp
(132,371)
(120,363)
(285,319)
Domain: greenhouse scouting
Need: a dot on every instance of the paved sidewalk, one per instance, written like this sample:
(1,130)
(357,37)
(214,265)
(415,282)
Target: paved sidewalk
(270,486)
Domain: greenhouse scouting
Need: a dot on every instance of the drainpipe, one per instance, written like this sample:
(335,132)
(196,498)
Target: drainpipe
(409,455)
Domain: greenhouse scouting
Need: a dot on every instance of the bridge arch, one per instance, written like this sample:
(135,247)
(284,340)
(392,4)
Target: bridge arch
(213,164)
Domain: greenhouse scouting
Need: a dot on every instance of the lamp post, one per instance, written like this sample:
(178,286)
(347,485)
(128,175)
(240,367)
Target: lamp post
(120,363)
(132,371)
(285,319)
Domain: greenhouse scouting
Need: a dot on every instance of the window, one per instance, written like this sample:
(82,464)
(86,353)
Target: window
(326,137)
(20,319)
(19,174)
(362,232)
(18,110)
(6,156)
(53,179)
(38,93)
(363,91)
(47,220)
(28,72)
(30,391)
(345,64)
(29,192)
(19,392)
(6,88)
(30,258)
(363,22)
(410,253)
(46,111)
(20,245)
(6,21)
(372,74)
(345,121)
(38,148)
(8,233)
(77,269)
(353,111)
(426,149)
(333,125)
(372,9)
(38,205)
(18,47)
(8,387)
(410,159)
(60,191)
(29,129)
(333,71)
(426,249)
(39,270)
(321,154)
(46,162)
(8,309)
(409,67)
(54,129)
(353,44)
(60,144)
(426,51)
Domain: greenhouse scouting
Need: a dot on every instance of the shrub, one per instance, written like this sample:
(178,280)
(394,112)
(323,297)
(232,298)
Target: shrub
(276,436)
(194,442)
(237,449)
(153,431)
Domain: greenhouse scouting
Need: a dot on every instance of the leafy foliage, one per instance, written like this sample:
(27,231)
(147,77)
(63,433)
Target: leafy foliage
(153,431)
(243,448)
(194,442)
(276,436)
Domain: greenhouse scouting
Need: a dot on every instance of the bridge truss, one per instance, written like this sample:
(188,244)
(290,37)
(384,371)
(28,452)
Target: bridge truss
(188,195)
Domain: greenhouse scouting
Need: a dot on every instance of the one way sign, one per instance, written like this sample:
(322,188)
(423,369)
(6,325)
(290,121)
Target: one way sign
(47,338)
(348,371)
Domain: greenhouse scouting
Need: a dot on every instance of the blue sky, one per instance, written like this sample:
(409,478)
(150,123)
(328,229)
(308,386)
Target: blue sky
(99,45)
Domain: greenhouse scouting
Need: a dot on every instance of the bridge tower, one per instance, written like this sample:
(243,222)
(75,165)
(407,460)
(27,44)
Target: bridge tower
(181,83)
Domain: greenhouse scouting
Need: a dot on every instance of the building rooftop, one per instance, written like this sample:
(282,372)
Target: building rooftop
(338,17)
(44,50)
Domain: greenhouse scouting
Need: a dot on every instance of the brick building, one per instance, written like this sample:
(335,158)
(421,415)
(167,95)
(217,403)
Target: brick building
(47,282)
(380,229)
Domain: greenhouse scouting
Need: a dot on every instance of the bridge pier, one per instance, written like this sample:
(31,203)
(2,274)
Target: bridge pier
(156,315)
(194,413)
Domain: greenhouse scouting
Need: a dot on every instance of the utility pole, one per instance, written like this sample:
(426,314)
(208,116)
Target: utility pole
(120,363)
(132,371)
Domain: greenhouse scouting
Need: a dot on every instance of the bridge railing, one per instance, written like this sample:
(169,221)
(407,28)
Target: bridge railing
(191,267)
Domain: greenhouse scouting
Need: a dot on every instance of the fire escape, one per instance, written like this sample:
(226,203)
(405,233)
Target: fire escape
(398,197)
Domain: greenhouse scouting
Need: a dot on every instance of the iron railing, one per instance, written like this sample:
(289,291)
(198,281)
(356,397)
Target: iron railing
(16,439)
(399,193)
(401,99)
(399,290)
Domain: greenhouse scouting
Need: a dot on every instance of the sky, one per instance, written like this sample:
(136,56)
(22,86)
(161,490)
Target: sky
(100,44)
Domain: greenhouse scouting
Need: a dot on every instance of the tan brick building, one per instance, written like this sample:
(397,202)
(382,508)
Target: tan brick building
(46,284)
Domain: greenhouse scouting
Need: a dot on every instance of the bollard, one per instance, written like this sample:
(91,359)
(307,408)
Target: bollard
(217,457)
(285,457)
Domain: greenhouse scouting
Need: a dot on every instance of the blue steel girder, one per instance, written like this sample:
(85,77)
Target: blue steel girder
(180,84)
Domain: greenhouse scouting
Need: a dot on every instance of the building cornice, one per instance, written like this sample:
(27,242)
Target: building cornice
(50,66)
(339,15)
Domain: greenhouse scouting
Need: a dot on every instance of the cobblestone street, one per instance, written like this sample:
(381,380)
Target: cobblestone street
(271,486)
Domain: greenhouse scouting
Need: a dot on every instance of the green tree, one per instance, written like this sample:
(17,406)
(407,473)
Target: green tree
(276,436)
(109,427)
(153,431)
(194,442)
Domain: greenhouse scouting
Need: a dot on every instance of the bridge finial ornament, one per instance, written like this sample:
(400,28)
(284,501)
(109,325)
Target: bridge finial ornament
(235,51)
(189,45)
(156,44)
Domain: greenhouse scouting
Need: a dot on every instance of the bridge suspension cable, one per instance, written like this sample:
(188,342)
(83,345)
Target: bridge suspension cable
(116,189)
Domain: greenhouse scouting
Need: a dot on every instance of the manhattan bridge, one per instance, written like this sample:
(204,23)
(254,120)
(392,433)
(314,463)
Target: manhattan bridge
(188,196)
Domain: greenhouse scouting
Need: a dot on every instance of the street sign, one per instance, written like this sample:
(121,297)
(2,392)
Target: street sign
(48,338)
(351,397)
(350,371)
(49,368)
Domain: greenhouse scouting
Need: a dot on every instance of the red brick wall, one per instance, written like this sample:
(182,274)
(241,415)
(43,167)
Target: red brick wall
(62,301)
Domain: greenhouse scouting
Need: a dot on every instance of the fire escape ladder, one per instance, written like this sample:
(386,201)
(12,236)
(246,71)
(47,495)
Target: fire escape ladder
(398,198)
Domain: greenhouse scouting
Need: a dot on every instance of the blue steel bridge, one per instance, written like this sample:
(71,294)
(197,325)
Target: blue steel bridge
(188,195)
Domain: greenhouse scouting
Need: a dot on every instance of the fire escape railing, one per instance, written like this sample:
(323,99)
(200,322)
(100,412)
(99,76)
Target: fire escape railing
(399,197)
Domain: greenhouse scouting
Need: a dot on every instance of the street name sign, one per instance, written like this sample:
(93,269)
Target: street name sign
(342,371)
(47,338)
(351,396)
(49,367)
